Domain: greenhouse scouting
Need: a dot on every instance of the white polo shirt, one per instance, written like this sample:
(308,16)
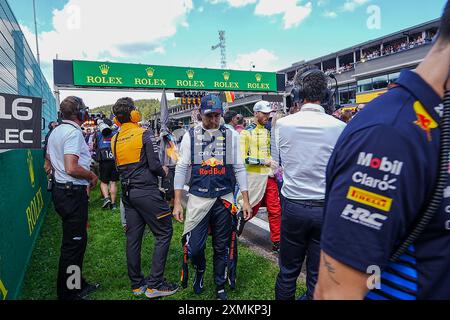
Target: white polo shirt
(68,138)
(305,142)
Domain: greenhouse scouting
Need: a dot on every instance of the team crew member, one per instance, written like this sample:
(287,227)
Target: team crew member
(68,161)
(136,155)
(107,167)
(380,179)
(212,151)
(263,189)
(305,141)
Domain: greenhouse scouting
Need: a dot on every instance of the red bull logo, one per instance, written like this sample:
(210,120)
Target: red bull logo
(212,162)
(424,120)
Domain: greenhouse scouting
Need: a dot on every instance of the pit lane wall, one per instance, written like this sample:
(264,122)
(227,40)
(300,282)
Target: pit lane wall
(23,185)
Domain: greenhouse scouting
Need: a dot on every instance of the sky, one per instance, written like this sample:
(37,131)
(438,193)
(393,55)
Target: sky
(268,34)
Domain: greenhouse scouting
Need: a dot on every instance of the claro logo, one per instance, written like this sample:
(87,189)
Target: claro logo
(382,164)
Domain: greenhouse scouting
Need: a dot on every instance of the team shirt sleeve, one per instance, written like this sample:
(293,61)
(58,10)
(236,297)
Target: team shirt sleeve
(375,189)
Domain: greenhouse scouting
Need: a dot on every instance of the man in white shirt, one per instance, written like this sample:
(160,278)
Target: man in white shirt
(305,142)
(68,159)
(211,152)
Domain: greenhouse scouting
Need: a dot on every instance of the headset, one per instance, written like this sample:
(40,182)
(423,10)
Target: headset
(135,115)
(298,95)
(82,112)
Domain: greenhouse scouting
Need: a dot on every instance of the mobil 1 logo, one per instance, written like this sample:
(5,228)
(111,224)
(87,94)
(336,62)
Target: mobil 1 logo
(20,122)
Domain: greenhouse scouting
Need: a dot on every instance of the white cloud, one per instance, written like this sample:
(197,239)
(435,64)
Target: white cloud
(293,14)
(160,50)
(234,3)
(101,29)
(330,14)
(351,5)
(262,59)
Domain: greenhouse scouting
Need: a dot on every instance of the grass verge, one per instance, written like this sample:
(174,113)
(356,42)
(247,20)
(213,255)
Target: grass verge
(105,262)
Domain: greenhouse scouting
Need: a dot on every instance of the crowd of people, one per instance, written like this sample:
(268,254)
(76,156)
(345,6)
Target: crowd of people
(396,48)
(377,53)
(341,194)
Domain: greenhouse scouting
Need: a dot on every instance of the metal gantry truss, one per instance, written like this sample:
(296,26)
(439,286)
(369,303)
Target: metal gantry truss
(223,49)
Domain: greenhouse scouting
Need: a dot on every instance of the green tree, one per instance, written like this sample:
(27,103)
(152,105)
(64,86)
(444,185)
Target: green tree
(147,107)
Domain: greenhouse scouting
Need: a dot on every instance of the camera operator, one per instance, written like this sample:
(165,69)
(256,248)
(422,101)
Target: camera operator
(69,157)
(107,167)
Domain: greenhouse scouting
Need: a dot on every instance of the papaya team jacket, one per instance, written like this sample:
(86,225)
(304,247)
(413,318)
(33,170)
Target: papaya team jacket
(136,153)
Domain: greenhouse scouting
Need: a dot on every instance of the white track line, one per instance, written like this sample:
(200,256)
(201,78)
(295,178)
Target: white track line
(260,223)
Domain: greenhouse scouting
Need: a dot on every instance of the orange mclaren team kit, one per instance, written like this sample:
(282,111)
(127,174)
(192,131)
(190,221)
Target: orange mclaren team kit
(136,154)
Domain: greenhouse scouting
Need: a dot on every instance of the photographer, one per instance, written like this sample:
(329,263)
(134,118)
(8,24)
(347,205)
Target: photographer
(107,167)
(69,159)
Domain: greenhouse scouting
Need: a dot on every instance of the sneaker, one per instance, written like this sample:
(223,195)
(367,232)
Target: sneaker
(198,282)
(222,295)
(276,247)
(88,289)
(106,203)
(164,290)
(113,207)
(140,291)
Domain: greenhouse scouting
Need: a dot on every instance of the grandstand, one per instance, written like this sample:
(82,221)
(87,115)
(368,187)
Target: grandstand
(366,70)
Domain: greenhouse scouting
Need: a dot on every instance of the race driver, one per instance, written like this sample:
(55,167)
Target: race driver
(211,152)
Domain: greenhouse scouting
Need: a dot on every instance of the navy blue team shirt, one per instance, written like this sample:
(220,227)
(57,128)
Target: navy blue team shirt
(379,181)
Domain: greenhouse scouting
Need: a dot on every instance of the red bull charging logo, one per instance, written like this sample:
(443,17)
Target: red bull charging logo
(213,163)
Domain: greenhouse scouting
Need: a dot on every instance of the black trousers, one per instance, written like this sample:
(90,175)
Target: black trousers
(301,227)
(220,220)
(147,207)
(72,207)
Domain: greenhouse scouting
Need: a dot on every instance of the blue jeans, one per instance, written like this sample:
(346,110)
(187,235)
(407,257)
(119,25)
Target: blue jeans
(300,237)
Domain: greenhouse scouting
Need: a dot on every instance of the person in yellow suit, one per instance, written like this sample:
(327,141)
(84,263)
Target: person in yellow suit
(263,189)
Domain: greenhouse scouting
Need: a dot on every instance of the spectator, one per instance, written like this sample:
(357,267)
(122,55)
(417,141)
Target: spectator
(234,121)
(346,116)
